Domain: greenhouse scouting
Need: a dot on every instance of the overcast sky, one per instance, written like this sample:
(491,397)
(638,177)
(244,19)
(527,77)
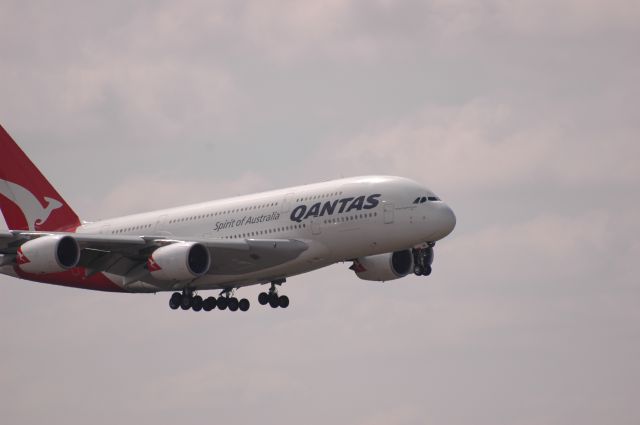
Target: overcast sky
(522,115)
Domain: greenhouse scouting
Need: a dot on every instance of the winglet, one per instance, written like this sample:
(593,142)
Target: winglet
(27,199)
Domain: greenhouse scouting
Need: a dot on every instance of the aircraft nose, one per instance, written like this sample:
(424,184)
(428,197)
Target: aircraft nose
(446,221)
(449,220)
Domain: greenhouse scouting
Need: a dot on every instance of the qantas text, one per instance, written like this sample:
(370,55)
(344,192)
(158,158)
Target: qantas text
(338,206)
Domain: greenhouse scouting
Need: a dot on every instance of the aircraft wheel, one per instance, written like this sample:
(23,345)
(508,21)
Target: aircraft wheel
(185,303)
(243,304)
(221,303)
(283,301)
(196,303)
(209,304)
(274,300)
(427,271)
(175,300)
(418,270)
(263,298)
(232,304)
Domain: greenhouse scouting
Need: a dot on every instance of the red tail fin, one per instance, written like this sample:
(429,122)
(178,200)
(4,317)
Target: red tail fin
(27,199)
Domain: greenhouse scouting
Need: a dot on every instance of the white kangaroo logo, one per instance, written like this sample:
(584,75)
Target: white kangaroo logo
(30,206)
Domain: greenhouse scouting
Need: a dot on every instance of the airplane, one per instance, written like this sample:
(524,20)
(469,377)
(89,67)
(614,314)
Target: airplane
(385,226)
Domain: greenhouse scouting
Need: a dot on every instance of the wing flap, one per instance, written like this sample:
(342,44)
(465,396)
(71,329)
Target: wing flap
(259,254)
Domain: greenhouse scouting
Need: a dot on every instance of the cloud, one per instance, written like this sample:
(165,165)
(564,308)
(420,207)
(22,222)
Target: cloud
(548,248)
(522,115)
(484,145)
(146,193)
(373,29)
(567,17)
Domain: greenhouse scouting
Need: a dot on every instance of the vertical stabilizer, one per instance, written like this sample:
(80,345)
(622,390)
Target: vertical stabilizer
(27,199)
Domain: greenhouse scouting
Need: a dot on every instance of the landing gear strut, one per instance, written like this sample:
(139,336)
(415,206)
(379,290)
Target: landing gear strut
(186,300)
(422,259)
(272,298)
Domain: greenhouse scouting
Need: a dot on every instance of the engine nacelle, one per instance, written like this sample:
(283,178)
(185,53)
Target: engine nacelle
(179,261)
(48,254)
(382,267)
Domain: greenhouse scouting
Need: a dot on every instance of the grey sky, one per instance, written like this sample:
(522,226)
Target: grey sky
(522,115)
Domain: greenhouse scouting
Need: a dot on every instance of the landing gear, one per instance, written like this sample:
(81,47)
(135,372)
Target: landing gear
(272,298)
(186,300)
(243,304)
(196,303)
(222,303)
(422,259)
(422,270)
(185,304)
(209,304)
(232,303)
(175,301)
(226,300)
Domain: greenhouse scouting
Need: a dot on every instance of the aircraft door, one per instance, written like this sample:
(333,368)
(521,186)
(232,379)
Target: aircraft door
(287,202)
(315,226)
(388,212)
(160,224)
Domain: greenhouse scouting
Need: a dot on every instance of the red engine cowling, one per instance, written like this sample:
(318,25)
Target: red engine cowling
(383,267)
(179,261)
(48,254)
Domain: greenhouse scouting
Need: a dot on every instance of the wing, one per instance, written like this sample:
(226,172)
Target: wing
(127,255)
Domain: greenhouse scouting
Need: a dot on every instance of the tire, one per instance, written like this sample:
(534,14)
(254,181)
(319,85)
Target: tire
(427,271)
(418,271)
(243,304)
(209,304)
(274,302)
(232,304)
(196,303)
(283,301)
(176,297)
(263,298)
(221,303)
(185,303)
(173,305)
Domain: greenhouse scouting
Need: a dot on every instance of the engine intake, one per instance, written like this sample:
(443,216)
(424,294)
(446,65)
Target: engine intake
(179,261)
(383,267)
(48,254)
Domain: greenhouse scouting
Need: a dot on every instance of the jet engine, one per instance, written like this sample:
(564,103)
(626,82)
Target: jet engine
(48,254)
(383,267)
(179,261)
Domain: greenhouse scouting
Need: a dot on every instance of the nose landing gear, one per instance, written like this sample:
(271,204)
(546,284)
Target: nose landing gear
(422,259)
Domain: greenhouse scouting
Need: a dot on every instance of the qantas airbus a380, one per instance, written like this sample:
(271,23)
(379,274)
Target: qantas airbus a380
(386,226)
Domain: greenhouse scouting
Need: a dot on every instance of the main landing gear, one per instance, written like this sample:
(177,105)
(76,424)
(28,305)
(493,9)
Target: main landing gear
(272,298)
(422,259)
(186,300)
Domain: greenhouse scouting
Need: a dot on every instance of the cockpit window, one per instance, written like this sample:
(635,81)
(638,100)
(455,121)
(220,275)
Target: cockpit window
(423,199)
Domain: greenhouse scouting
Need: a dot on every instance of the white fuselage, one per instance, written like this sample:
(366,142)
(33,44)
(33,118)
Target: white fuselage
(339,220)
